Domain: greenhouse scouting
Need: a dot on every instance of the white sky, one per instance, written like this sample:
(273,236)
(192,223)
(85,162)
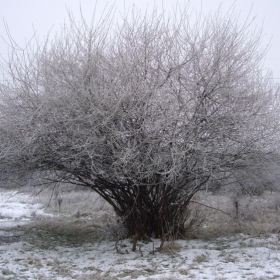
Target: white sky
(25,16)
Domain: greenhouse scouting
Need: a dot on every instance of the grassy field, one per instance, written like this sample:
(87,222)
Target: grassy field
(218,215)
(72,234)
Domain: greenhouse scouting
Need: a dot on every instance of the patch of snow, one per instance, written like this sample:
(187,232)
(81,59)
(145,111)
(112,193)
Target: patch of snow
(237,257)
(17,208)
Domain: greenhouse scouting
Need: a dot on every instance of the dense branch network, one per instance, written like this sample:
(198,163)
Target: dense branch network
(145,114)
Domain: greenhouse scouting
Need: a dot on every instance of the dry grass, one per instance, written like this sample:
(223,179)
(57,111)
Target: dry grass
(74,201)
(83,217)
(256,215)
(83,213)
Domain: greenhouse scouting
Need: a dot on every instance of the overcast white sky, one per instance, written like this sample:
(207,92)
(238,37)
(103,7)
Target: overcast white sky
(25,16)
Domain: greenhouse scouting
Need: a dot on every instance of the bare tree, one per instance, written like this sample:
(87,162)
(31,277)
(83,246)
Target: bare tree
(145,112)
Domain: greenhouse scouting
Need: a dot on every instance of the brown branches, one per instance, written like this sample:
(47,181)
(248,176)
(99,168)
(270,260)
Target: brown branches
(145,114)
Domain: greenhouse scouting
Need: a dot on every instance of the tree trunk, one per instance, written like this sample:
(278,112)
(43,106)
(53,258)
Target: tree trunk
(144,216)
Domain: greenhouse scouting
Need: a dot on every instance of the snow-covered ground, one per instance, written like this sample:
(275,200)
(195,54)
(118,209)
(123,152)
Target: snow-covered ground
(28,252)
(17,209)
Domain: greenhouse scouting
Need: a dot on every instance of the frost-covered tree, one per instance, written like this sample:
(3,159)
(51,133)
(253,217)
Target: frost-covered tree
(145,112)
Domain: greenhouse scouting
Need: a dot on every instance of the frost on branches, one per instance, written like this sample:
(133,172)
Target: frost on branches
(145,113)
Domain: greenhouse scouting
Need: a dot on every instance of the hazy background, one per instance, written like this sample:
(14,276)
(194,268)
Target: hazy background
(24,17)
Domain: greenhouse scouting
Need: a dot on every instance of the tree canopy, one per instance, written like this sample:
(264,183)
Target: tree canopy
(145,112)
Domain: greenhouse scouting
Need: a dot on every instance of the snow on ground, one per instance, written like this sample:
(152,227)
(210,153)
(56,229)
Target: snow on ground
(237,257)
(16,209)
